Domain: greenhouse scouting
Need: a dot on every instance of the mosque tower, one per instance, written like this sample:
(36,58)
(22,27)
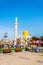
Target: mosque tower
(15,30)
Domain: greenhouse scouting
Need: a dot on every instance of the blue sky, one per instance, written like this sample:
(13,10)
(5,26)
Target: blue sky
(29,13)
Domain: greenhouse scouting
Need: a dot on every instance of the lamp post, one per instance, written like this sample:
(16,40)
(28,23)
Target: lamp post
(5,36)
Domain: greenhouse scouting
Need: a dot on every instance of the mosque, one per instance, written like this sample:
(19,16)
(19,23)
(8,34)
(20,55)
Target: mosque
(25,35)
(23,39)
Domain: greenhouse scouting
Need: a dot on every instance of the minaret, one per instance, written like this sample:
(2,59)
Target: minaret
(15,30)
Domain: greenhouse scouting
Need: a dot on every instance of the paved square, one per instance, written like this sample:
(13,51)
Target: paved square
(21,58)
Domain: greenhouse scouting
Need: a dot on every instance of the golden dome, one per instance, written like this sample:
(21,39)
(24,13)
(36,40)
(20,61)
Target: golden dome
(25,33)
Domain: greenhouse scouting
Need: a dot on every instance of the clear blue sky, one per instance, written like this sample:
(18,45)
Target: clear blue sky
(29,13)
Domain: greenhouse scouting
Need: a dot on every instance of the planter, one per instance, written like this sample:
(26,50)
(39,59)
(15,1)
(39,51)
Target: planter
(6,50)
(17,49)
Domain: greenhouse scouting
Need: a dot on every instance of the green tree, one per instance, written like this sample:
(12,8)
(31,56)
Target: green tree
(35,38)
(41,38)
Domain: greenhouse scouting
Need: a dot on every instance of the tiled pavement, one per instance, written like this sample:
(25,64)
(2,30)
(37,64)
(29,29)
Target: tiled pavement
(21,58)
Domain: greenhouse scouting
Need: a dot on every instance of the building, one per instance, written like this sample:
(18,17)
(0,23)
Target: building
(25,35)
